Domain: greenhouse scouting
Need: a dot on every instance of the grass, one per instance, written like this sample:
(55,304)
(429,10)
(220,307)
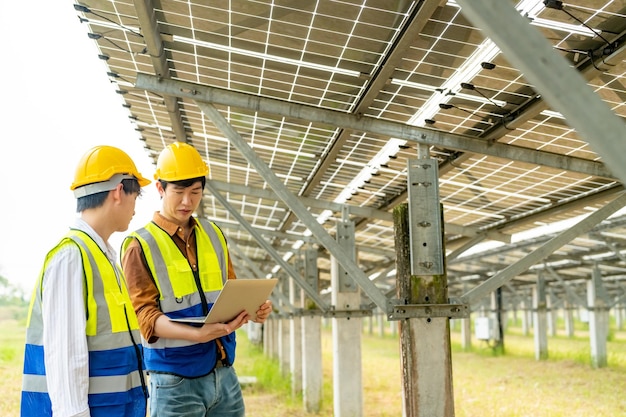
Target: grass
(11,360)
(511,385)
(485,385)
(518,385)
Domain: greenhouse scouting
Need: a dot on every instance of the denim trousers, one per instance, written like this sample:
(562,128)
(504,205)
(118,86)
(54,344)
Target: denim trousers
(215,394)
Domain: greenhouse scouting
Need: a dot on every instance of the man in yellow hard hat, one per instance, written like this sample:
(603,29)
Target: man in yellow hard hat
(176,266)
(83,353)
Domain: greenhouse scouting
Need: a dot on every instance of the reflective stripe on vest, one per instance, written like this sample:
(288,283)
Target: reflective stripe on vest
(113,363)
(180,295)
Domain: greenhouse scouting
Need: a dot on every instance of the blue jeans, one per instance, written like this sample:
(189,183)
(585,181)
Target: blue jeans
(216,394)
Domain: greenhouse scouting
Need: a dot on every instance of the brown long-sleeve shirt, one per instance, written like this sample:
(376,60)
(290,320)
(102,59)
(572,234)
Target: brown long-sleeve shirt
(141,286)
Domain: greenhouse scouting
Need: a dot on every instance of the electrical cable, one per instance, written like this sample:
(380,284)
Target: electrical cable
(143,51)
(85,9)
(558,5)
(470,86)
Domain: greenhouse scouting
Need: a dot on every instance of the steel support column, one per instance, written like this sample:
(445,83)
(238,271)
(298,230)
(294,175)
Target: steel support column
(347,374)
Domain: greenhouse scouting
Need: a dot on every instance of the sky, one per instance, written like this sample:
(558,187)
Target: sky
(57,103)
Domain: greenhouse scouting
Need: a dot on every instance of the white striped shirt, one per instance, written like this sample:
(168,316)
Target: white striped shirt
(64,321)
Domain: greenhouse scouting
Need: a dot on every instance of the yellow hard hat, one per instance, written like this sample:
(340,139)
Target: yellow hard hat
(99,165)
(180,161)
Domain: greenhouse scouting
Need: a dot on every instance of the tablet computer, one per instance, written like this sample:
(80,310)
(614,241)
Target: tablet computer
(236,296)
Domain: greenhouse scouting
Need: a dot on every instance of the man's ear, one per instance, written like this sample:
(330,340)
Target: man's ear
(116,193)
(159,188)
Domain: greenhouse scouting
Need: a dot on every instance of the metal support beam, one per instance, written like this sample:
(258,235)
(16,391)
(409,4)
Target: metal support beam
(297,207)
(600,290)
(334,314)
(367,212)
(347,333)
(277,295)
(620,299)
(540,319)
(544,250)
(311,270)
(152,37)
(425,353)
(312,375)
(425,311)
(562,87)
(465,246)
(364,123)
(268,194)
(590,68)
(568,289)
(270,250)
(270,233)
(416,19)
(474,232)
(425,217)
(598,320)
(546,214)
(345,239)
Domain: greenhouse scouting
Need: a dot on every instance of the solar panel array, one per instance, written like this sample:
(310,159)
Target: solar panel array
(420,64)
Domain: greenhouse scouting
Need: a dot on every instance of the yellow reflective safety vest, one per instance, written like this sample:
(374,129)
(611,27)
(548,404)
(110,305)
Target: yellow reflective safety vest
(184,293)
(116,375)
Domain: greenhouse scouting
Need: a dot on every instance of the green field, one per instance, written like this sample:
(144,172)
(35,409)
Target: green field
(485,384)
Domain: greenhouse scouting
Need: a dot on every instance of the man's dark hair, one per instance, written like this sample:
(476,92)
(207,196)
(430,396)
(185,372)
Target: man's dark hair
(129,185)
(184,183)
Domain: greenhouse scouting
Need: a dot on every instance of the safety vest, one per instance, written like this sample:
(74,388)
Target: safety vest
(116,375)
(181,295)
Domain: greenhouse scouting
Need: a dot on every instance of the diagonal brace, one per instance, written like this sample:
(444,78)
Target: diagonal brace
(544,250)
(296,206)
